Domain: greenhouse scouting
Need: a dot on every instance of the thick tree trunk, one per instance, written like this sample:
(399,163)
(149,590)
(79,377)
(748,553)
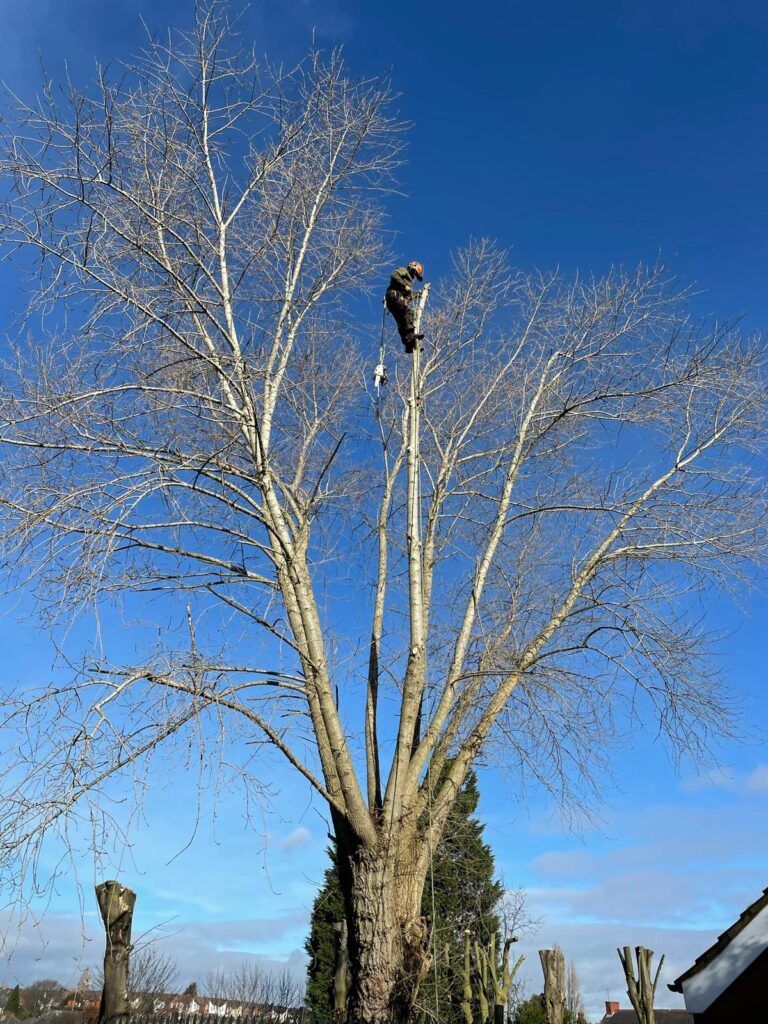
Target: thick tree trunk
(553,966)
(116,904)
(388,939)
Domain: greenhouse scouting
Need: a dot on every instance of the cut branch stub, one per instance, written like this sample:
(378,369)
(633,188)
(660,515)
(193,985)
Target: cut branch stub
(641,990)
(116,903)
(492,980)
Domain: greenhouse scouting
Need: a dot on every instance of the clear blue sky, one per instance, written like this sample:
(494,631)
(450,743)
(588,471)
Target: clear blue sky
(580,134)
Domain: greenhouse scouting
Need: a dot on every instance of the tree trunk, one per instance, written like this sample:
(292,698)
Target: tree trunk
(116,904)
(553,965)
(388,939)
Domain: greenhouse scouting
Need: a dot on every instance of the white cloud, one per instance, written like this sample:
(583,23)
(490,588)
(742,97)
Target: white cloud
(592,948)
(673,877)
(63,946)
(757,780)
(716,778)
(296,839)
(754,781)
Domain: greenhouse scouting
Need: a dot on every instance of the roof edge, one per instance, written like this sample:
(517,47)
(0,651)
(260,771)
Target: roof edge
(722,942)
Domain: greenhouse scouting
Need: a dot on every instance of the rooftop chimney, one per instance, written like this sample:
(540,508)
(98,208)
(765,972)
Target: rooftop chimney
(611,1008)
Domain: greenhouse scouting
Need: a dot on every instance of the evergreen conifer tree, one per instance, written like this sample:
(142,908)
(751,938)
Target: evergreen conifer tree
(461,892)
(328,908)
(533,1011)
(13,1007)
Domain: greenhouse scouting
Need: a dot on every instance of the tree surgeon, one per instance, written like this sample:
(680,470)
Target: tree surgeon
(398,302)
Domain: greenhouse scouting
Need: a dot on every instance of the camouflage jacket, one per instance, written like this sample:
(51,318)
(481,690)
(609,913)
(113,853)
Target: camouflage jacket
(401,281)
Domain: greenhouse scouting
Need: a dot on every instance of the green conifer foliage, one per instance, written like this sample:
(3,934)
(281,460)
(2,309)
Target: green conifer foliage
(13,1006)
(532,1011)
(328,908)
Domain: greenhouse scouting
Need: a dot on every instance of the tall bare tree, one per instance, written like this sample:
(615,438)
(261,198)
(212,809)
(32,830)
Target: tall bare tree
(574,1003)
(253,986)
(152,973)
(43,996)
(541,502)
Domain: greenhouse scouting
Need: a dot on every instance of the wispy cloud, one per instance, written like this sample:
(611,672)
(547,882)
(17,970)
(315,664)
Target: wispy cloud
(64,946)
(672,878)
(296,839)
(753,781)
(757,780)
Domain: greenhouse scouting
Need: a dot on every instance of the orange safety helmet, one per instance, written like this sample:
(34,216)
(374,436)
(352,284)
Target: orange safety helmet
(417,268)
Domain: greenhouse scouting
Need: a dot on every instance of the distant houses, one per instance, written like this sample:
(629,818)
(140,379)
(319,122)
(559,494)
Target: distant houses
(615,1015)
(189,1008)
(184,1006)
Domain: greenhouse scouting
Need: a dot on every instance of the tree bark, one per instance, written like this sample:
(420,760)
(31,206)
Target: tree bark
(553,965)
(116,903)
(341,976)
(388,939)
(641,990)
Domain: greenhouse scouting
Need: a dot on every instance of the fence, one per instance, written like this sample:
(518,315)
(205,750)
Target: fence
(262,1015)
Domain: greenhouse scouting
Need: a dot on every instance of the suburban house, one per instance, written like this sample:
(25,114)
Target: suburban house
(728,981)
(615,1015)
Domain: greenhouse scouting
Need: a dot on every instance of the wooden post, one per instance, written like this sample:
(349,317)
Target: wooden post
(553,965)
(641,990)
(116,903)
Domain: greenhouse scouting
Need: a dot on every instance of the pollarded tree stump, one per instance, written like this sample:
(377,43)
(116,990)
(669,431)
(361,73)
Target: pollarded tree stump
(553,965)
(116,903)
(641,989)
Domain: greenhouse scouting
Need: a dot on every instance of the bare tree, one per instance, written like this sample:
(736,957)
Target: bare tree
(43,996)
(253,986)
(518,921)
(542,501)
(151,973)
(574,1003)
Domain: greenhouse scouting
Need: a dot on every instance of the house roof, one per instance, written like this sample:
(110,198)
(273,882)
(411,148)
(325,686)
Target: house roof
(722,942)
(662,1017)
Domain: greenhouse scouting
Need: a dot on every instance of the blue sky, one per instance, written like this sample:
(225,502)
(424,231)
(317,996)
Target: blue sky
(580,135)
